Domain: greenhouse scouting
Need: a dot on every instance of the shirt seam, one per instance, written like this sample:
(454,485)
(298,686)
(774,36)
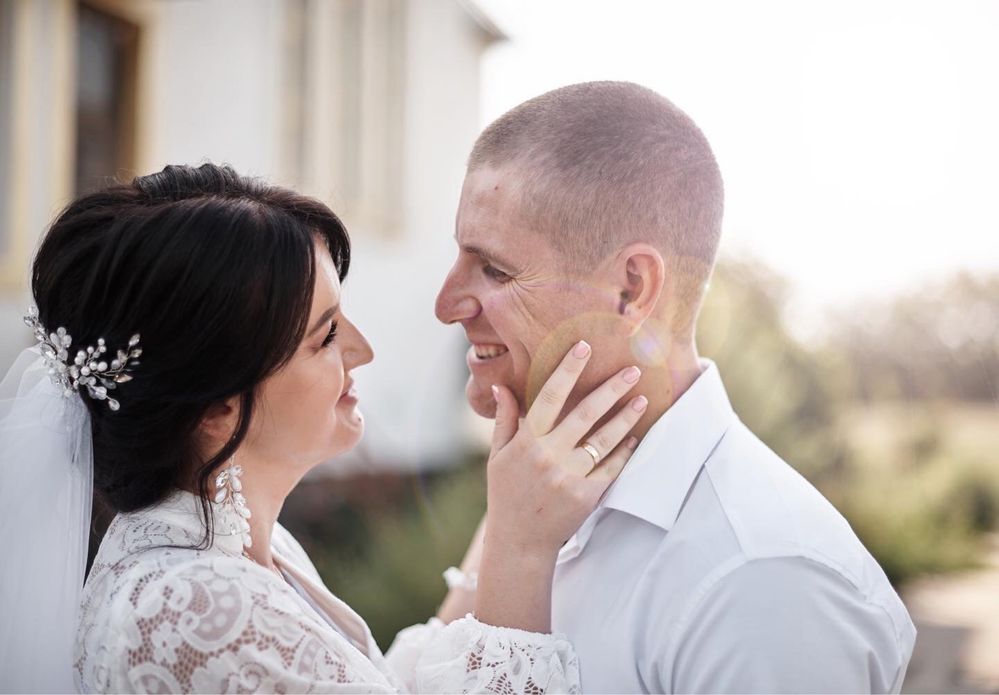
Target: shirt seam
(804,552)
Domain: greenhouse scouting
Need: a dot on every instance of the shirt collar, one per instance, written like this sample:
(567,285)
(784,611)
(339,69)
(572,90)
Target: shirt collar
(657,478)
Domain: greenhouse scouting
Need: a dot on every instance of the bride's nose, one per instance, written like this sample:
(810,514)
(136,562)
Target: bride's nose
(356,348)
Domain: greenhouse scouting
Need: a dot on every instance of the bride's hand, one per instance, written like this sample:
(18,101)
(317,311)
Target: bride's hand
(542,483)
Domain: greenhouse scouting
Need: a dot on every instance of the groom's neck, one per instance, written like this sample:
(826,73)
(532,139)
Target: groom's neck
(663,385)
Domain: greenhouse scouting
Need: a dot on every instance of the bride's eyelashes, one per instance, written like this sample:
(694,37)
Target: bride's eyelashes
(328,340)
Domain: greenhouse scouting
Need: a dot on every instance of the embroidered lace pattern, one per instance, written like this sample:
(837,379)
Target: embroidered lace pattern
(173,619)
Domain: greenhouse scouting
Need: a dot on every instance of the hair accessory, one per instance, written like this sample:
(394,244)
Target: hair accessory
(228,493)
(87,368)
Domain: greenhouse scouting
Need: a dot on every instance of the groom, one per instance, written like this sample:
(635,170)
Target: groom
(594,211)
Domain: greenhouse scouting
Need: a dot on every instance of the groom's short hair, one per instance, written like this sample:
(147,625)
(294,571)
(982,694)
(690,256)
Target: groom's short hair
(603,164)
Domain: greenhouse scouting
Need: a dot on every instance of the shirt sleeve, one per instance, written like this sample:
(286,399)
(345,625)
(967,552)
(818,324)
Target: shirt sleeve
(466,656)
(785,625)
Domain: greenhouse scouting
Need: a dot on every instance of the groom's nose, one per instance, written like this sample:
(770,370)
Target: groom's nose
(455,301)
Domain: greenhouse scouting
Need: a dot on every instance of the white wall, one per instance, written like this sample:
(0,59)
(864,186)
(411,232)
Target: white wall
(413,393)
(215,75)
(38,71)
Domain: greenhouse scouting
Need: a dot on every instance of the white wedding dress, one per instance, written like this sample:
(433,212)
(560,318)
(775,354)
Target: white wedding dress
(170,619)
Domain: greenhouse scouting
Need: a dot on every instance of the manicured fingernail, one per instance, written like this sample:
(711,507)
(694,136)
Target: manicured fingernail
(640,403)
(632,442)
(631,374)
(581,350)
(495,392)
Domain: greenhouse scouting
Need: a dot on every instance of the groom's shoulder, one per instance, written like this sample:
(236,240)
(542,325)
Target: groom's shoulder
(773,513)
(772,508)
(757,547)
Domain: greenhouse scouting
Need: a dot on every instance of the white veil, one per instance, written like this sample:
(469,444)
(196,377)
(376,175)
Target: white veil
(46,483)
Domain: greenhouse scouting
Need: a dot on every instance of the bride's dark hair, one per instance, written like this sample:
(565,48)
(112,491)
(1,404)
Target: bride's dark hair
(216,272)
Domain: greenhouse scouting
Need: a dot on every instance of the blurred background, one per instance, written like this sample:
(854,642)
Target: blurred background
(854,313)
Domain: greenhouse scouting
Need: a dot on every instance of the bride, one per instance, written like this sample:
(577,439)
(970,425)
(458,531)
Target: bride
(193,363)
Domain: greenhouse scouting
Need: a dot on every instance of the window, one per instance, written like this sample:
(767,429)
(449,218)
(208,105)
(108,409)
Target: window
(105,98)
(344,95)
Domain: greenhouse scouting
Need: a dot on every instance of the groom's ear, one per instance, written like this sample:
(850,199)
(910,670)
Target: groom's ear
(640,276)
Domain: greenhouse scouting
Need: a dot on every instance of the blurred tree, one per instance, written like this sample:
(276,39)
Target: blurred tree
(780,389)
(941,342)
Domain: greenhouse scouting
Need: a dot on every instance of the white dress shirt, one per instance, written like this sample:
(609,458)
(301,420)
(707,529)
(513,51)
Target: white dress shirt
(712,566)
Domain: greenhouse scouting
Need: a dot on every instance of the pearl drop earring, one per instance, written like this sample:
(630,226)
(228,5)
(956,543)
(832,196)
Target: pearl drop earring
(229,496)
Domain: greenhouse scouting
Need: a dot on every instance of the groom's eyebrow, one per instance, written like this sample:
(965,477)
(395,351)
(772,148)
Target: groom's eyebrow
(487,255)
(327,315)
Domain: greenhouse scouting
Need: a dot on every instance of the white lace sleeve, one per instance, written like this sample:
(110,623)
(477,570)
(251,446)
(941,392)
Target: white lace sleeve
(467,656)
(213,626)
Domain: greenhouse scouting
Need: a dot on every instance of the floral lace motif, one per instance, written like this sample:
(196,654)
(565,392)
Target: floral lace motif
(174,619)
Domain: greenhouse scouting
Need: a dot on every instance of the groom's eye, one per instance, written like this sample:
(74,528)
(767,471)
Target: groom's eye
(495,273)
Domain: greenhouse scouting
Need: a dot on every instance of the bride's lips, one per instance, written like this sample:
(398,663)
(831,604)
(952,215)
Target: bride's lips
(349,394)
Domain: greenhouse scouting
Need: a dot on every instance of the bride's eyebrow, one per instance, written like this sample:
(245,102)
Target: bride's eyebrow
(327,315)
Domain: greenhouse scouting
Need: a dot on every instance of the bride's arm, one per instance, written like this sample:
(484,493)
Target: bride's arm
(541,486)
(460,600)
(542,483)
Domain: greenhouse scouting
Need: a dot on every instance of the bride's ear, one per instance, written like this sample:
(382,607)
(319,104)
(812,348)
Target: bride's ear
(641,276)
(219,422)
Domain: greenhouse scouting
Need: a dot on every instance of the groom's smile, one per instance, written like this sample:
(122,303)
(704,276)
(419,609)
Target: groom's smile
(488,352)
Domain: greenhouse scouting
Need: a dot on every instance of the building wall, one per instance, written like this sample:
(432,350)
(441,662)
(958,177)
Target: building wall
(371,105)
(36,84)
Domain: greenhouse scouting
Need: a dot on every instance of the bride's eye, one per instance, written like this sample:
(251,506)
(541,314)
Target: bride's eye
(330,336)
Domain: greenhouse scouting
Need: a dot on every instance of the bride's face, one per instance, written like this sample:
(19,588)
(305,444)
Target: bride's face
(307,412)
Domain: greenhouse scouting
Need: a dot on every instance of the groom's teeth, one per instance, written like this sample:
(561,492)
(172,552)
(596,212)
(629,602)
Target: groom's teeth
(485,352)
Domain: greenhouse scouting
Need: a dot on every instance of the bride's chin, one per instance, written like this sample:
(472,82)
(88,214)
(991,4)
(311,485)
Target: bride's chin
(350,430)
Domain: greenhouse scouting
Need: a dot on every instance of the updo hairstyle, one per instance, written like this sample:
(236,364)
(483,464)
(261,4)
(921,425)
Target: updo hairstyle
(216,272)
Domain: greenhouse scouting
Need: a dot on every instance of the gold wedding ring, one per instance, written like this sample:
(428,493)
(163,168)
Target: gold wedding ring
(592,451)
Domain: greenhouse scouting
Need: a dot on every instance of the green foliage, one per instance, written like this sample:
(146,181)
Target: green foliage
(392,578)
(929,520)
(939,342)
(780,389)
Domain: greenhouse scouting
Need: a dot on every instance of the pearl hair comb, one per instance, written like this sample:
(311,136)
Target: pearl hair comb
(86,368)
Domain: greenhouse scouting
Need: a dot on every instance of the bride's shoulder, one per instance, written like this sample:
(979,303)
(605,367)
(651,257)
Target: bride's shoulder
(141,556)
(158,586)
(137,533)
(159,605)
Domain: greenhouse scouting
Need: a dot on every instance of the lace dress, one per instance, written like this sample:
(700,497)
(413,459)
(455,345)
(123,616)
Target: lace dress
(169,619)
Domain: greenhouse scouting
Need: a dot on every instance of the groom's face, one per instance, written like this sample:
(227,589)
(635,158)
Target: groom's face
(520,309)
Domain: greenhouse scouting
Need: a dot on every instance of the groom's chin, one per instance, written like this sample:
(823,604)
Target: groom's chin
(481,399)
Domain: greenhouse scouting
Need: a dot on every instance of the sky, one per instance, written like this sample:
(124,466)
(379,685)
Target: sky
(858,141)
